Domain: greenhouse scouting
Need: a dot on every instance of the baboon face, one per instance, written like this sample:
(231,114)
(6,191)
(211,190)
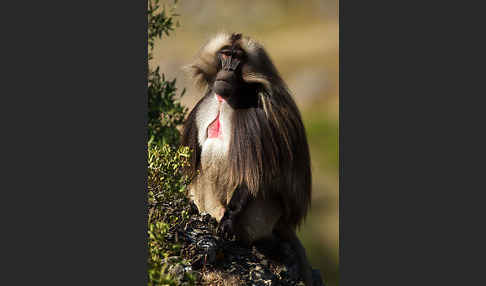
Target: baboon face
(228,78)
(228,82)
(237,69)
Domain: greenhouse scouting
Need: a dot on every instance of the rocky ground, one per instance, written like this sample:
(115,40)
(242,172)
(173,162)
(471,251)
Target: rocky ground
(207,259)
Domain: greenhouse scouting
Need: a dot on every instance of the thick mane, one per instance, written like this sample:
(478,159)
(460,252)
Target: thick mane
(203,70)
(269,154)
(190,139)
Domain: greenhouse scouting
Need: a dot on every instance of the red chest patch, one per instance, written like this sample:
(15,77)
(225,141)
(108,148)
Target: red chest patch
(214,129)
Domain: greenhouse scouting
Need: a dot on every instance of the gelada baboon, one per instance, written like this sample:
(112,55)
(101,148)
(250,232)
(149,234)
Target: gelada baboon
(251,166)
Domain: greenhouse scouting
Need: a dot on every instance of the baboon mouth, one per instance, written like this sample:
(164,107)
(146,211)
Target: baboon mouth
(219,98)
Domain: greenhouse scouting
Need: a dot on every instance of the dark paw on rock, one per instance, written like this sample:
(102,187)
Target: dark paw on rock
(226,229)
(192,208)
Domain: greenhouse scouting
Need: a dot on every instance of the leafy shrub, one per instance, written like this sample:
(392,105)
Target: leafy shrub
(166,184)
(165,114)
(166,195)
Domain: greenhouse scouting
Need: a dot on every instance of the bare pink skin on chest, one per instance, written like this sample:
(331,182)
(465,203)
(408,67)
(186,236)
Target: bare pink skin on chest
(214,129)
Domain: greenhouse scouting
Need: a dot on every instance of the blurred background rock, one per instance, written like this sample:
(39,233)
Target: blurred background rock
(302,39)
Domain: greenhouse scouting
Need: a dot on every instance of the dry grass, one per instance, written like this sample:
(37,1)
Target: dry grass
(217,278)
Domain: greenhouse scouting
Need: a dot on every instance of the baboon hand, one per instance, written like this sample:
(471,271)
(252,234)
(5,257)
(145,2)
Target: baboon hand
(226,226)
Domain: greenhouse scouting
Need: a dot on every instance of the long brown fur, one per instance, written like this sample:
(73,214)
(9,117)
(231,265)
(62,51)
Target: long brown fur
(268,150)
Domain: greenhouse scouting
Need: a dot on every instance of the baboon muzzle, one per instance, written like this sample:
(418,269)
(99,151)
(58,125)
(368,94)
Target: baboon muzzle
(226,79)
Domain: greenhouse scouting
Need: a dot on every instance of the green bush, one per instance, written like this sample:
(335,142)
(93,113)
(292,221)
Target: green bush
(165,114)
(166,184)
(166,198)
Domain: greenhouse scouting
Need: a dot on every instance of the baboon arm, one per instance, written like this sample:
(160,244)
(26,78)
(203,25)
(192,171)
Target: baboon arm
(238,202)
